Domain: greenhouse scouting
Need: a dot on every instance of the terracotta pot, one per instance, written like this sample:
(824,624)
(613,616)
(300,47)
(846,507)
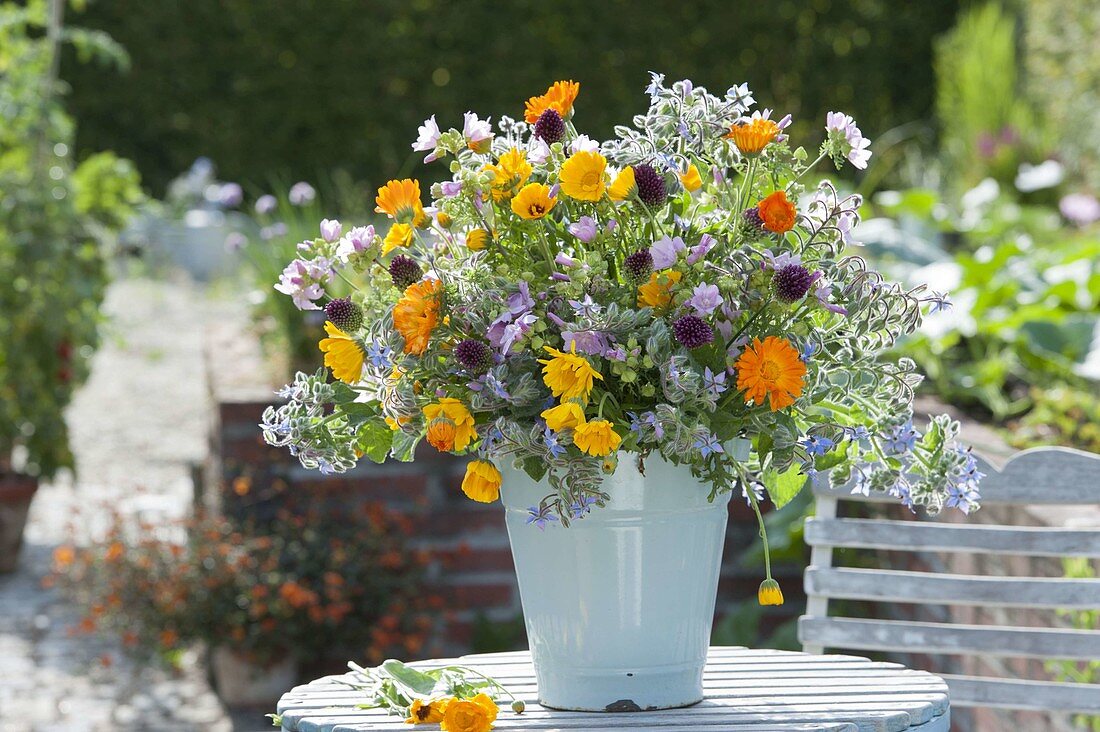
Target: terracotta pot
(240,681)
(16,493)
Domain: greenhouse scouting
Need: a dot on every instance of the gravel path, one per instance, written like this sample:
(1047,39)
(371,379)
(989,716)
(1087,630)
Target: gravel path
(137,427)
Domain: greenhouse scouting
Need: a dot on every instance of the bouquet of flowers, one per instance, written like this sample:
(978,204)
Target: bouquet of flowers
(561,304)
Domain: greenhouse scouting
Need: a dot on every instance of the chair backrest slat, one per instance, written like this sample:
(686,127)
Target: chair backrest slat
(950,639)
(938,537)
(950,589)
(1037,477)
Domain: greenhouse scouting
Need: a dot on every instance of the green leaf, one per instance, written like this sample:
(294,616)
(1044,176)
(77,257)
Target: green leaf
(375,440)
(783,487)
(404,445)
(416,683)
(535,467)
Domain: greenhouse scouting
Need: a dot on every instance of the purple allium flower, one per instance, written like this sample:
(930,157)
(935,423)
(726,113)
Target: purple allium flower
(235,241)
(651,185)
(344,314)
(692,331)
(665,251)
(550,127)
(230,195)
(478,133)
(639,265)
(475,356)
(792,282)
(331,230)
(265,204)
(1080,209)
(705,299)
(847,138)
(301,193)
(404,271)
(753,219)
(428,139)
(700,250)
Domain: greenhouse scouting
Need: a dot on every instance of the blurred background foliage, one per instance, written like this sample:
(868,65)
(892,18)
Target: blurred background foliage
(298,87)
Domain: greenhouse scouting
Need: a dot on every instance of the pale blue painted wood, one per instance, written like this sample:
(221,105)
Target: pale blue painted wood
(746,691)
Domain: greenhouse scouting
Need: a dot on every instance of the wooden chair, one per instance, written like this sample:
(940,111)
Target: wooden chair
(1036,477)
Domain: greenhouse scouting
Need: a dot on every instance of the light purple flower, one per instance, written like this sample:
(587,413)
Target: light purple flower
(265,204)
(584,229)
(540,516)
(355,241)
(301,193)
(700,250)
(708,445)
(850,142)
(705,298)
(428,139)
(822,292)
(504,334)
(718,175)
(519,302)
(556,320)
(588,342)
(560,277)
(538,152)
(665,251)
(450,188)
(564,260)
(331,230)
(583,142)
(303,281)
(275,230)
(587,308)
(235,241)
(230,195)
(781,260)
(478,133)
(1080,209)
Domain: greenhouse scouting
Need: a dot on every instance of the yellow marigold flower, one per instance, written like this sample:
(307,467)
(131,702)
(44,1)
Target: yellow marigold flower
(582,176)
(416,314)
(461,430)
(566,416)
(441,434)
(568,375)
(533,201)
(753,136)
(482,481)
(509,174)
(769,593)
(657,293)
(343,355)
(691,180)
(559,97)
(777,213)
(427,712)
(400,200)
(773,369)
(400,235)
(477,239)
(444,219)
(597,438)
(623,185)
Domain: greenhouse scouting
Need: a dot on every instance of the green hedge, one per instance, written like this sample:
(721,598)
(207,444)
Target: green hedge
(295,87)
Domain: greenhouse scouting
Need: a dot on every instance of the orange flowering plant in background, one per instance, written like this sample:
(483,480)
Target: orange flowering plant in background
(559,304)
(297,583)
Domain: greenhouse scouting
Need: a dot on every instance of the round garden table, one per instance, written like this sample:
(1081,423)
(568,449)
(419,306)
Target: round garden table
(754,691)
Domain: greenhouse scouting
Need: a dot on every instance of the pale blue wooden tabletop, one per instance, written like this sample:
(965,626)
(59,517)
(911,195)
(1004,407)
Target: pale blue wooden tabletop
(754,691)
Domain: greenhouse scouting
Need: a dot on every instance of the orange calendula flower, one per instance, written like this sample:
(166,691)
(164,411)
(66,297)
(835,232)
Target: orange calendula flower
(778,214)
(770,368)
(657,293)
(427,712)
(477,239)
(691,180)
(559,97)
(399,235)
(769,593)
(753,135)
(400,200)
(343,354)
(533,201)
(441,434)
(623,186)
(457,424)
(582,176)
(482,481)
(567,415)
(597,438)
(509,174)
(416,314)
(568,375)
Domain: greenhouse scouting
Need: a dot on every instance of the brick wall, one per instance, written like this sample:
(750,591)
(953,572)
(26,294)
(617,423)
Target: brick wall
(475,573)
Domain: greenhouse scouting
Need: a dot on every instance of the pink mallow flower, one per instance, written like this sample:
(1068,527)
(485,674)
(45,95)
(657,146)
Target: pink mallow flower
(331,230)
(665,251)
(303,281)
(428,139)
(478,133)
(584,229)
(355,241)
(705,299)
(849,141)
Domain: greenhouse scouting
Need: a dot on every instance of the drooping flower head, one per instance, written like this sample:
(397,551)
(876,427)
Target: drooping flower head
(343,354)
(477,239)
(416,314)
(566,416)
(469,715)
(457,424)
(657,293)
(582,176)
(778,213)
(533,201)
(770,368)
(482,481)
(400,200)
(568,375)
(559,97)
(769,593)
(597,437)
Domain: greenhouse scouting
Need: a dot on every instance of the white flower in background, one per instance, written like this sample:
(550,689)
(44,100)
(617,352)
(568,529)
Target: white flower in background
(428,139)
(1080,209)
(301,193)
(1037,177)
(265,204)
(585,143)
